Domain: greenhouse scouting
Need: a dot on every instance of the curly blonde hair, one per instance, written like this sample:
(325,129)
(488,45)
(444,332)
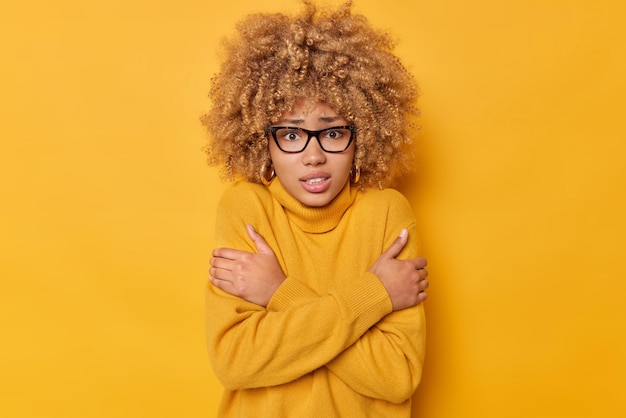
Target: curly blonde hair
(334,57)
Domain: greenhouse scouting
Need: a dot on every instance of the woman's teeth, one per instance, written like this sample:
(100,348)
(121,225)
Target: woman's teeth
(315,181)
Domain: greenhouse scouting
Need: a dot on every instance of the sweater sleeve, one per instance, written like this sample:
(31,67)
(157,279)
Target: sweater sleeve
(251,346)
(386,362)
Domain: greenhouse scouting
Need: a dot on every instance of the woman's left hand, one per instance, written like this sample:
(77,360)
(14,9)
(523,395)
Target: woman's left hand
(254,277)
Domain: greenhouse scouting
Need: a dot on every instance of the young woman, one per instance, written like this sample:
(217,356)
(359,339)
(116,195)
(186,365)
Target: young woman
(314,301)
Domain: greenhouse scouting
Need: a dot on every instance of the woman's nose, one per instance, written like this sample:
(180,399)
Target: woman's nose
(313,154)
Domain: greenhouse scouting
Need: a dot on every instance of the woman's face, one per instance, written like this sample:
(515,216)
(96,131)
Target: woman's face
(314,177)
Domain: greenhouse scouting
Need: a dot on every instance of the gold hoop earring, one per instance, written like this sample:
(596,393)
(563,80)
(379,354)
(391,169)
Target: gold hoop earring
(355,174)
(264,176)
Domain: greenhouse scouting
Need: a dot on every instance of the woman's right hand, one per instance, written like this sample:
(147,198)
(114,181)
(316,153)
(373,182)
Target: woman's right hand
(404,280)
(254,277)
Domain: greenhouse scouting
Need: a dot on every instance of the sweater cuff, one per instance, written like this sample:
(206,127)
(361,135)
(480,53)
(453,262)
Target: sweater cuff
(289,294)
(368,302)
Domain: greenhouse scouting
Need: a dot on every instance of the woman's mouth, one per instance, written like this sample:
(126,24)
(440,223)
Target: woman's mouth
(315,183)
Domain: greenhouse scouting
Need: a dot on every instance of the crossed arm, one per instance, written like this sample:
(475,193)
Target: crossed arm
(257,277)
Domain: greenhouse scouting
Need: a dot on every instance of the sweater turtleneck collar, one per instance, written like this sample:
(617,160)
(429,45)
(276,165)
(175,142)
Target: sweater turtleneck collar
(314,219)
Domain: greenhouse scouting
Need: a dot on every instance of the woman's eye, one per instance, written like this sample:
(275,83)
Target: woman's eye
(288,135)
(333,134)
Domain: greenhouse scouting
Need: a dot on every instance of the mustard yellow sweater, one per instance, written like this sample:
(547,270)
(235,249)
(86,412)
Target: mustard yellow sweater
(328,343)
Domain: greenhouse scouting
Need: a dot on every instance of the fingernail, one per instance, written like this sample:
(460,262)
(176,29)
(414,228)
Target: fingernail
(403,233)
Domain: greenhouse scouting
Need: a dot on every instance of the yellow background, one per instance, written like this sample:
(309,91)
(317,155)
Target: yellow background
(107,207)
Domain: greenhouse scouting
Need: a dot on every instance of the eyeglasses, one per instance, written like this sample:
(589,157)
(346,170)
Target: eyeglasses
(292,140)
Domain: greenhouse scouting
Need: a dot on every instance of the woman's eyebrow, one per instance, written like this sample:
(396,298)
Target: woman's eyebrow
(326,119)
(329,118)
(293,121)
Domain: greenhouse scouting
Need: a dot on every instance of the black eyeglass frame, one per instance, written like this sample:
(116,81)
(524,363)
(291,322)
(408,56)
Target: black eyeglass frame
(311,134)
